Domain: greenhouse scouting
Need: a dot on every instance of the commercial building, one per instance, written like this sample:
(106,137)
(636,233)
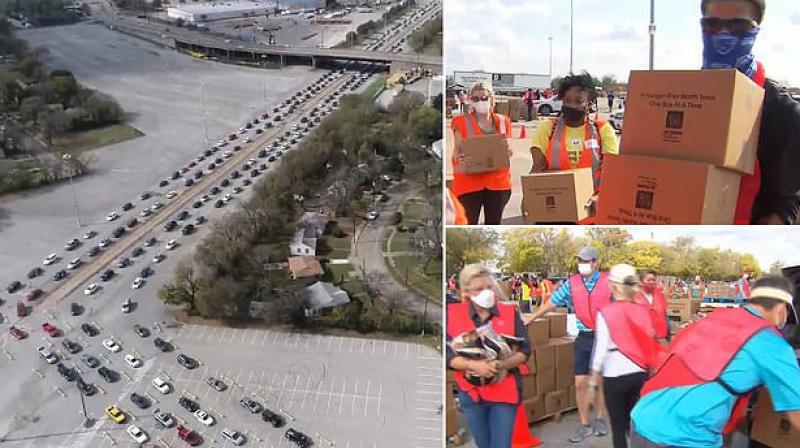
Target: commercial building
(209,12)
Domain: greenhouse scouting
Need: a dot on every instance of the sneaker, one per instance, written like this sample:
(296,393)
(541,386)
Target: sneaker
(581,433)
(600,427)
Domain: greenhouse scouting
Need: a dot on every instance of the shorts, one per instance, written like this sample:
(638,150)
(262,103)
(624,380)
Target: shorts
(584,344)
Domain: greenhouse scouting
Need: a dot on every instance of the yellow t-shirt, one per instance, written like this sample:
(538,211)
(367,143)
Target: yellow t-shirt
(575,139)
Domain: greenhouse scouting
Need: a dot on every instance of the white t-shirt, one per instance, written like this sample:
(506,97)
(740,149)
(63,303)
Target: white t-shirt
(605,358)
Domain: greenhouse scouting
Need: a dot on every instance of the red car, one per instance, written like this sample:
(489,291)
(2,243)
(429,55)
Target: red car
(22,311)
(189,436)
(50,329)
(34,294)
(17,333)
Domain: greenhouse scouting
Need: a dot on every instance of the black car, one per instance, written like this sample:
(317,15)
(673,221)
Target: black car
(235,174)
(271,159)
(146,271)
(90,361)
(225,183)
(14,286)
(199,220)
(187,361)
(183,215)
(189,182)
(216,383)
(69,374)
(123,262)
(254,173)
(188,404)
(163,183)
(215,190)
(170,226)
(108,374)
(137,251)
(268,126)
(144,196)
(59,275)
(271,417)
(132,223)
(140,400)
(35,272)
(93,251)
(262,153)
(143,332)
(218,160)
(207,152)
(176,175)
(219,203)
(188,229)
(118,232)
(300,439)
(163,345)
(197,204)
(211,166)
(237,148)
(151,241)
(90,330)
(247,182)
(88,389)
(72,347)
(107,275)
(127,206)
(258,131)
(198,174)
(75,309)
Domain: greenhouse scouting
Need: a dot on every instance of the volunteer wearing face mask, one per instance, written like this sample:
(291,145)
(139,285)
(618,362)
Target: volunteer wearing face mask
(573,140)
(491,190)
(711,368)
(584,294)
(771,195)
(490,409)
(625,348)
(652,296)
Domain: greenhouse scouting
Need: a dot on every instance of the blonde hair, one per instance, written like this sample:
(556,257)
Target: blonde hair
(628,290)
(485,86)
(470,272)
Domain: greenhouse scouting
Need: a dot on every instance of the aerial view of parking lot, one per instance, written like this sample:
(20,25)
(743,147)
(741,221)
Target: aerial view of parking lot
(220,223)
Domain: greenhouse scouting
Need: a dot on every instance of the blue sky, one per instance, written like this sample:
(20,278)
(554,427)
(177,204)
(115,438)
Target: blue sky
(611,36)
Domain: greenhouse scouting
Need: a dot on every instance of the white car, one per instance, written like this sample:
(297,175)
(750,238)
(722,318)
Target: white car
(372,216)
(91,289)
(227,154)
(47,355)
(74,263)
(548,106)
(138,435)
(203,417)
(171,194)
(112,216)
(161,385)
(52,258)
(138,282)
(158,258)
(133,361)
(145,212)
(89,235)
(616,119)
(112,345)
(248,140)
(171,244)
(227,198)
(156,206)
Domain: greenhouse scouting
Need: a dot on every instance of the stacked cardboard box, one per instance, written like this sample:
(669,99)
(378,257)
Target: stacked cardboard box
(689,136)
(718,290)
(771,428)
(451,413)
(556,196)
(683,309)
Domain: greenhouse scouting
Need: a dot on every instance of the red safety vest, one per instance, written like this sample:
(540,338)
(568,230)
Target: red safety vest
(659,310)
(632,328)
(586,303)
(700,353)
(459,322)
(750,183)
(591,157)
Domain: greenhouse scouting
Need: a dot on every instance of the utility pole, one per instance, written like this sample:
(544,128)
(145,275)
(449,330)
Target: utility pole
(551,57)
(66,158)
(571,32)
(205,123)
(652,33)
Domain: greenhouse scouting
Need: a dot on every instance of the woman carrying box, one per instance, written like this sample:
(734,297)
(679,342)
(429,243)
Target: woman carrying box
(490,190)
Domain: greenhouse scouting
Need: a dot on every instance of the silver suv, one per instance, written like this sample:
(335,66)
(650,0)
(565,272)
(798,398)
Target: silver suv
(164,418)
(234,436)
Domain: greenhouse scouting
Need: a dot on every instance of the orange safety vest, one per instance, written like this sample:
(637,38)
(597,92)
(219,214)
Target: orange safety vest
(586,303)
(459,322)
(455,208)
(546,288)
(591,157)
(498,180)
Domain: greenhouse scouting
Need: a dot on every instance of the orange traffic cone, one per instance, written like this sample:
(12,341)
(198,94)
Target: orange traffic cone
(521,437)
(523,132)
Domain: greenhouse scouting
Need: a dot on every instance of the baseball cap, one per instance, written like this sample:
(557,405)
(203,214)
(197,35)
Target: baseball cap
(588,253)
(623,274)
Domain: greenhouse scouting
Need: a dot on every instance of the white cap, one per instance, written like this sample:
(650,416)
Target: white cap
(623,274)
(777,294)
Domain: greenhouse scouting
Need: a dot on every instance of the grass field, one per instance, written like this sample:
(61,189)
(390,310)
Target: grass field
(338,272)
(95,138)
(340,247)
(376,85)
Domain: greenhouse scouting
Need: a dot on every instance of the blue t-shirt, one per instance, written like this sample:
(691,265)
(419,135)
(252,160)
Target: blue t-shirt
(695,415)
(563,296)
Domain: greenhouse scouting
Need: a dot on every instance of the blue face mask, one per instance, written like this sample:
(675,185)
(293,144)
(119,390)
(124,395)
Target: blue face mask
(726,50)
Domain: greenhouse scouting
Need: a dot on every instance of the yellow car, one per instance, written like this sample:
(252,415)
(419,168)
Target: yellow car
(115,413)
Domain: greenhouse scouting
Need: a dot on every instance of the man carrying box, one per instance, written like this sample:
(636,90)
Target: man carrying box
(572,140)
(584,294)
(704,384)
(771,195)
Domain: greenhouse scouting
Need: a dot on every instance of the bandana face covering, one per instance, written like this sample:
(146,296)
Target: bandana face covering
(726,50)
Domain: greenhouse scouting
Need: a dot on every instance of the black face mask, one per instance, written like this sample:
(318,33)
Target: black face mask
(573,115)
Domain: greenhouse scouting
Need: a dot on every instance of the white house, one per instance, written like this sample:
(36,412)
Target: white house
(301,245)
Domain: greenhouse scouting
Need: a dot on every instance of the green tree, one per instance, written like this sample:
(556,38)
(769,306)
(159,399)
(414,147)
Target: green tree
(612,243)
(465,246)
(645,255)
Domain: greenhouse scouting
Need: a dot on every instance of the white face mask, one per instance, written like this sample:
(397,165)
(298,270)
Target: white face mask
(481,107)
(484,299)
(585,269)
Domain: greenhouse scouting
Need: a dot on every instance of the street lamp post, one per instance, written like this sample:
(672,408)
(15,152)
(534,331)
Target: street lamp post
(205,123)
(66,158)
(571,32)
(551,56)
(652,33)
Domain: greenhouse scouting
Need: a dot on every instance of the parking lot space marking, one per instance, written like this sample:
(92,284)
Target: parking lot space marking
(330,395)
(233,333)
(305,394)
(221,336)
(264,341)
(253,340)
(277,333)
(355,394)
(341,397)
(366,401)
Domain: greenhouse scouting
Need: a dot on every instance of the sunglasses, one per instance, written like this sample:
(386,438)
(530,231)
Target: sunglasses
(480,98)
(737,26)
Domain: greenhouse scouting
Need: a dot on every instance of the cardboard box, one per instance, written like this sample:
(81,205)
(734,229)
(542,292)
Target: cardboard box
(572,400)
(682,310)
(771,428)
(501,107)
(647,190)
(555,401)
(565,352)
(528,386)
(545,381)
(534,408)
(485,153)
(545,356)
(539,332)
(707,116)
(556,196)
(558,324)
(451,420)
(565,376)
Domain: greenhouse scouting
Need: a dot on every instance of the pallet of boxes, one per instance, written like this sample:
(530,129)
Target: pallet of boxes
(689,137)
(452,431)
(681,311)
(549,389)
